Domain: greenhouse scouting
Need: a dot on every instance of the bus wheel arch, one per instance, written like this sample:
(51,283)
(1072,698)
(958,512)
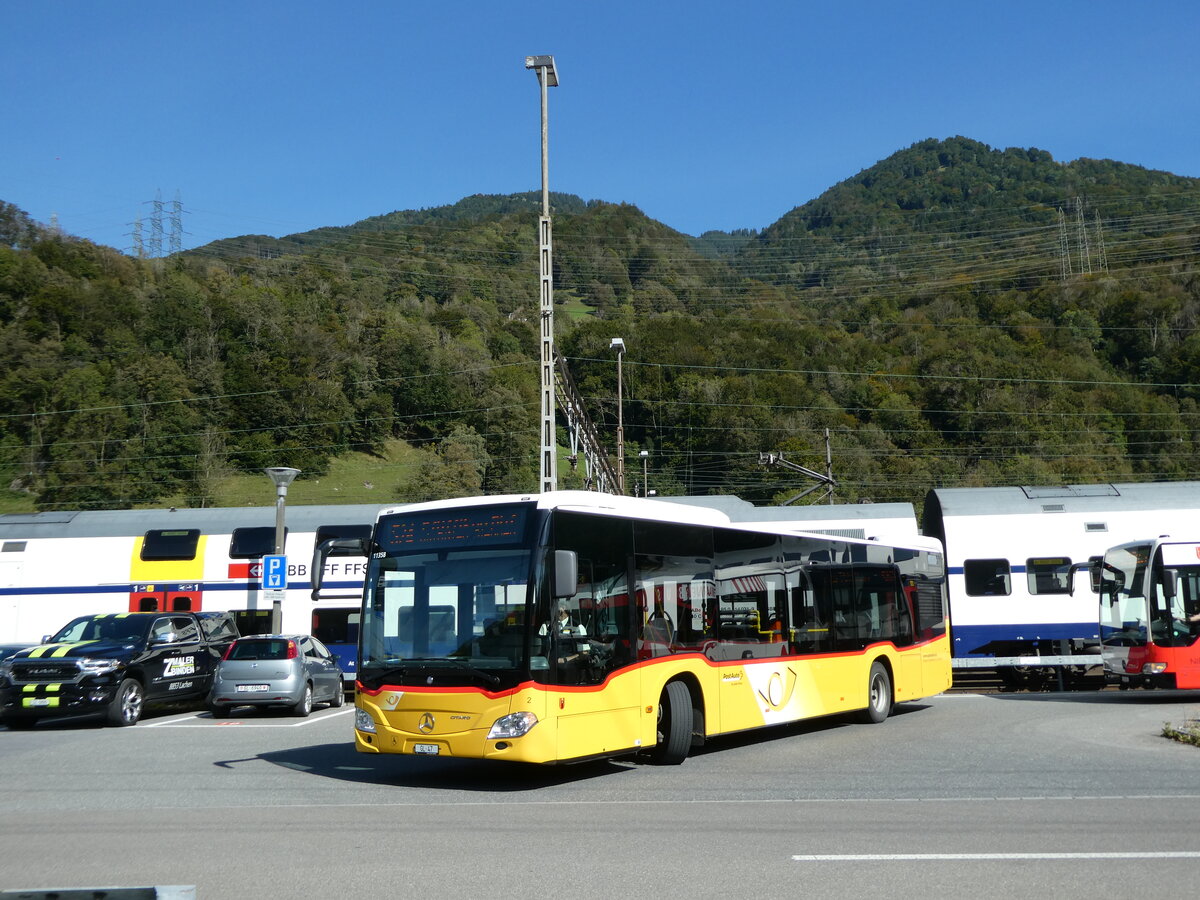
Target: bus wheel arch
(881,696)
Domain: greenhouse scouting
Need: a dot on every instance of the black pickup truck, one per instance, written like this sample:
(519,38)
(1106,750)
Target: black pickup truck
(112,665)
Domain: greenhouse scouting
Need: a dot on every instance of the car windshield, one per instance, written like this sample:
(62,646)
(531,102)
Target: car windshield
(457,608)
(274,648)
(117,628)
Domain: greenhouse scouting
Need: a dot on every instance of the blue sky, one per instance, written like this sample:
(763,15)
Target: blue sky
(275,117)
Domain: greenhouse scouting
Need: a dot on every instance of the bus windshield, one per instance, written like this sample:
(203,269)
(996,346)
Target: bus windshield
(1124,615)
(446,617)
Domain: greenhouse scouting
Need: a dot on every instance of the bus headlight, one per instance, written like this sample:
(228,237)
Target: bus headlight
(1154,668)
(363,721)
(514,725)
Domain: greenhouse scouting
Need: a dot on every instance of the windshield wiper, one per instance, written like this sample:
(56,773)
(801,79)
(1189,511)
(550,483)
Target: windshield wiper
(367,674)
(426,663)
(491,679)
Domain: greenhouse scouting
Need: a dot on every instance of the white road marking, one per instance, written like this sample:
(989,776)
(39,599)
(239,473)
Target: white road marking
(194,720)
(936,857)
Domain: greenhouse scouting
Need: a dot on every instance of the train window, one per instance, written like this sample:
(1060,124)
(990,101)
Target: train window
(341,532)
(987,577)
(252,621)
(1048,574)
(164,544)
(253,543)
(336,626)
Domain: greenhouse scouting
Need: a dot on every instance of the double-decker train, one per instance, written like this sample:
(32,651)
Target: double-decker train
(55,566)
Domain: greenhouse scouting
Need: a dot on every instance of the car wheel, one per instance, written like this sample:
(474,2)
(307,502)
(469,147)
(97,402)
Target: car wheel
(339,695)
(304,707)
(126,706)
(18,723)
(220,712)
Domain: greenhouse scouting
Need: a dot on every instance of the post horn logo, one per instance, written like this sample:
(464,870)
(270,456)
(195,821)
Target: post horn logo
(426,724)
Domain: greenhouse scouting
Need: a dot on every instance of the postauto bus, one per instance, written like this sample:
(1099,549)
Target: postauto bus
(569,626)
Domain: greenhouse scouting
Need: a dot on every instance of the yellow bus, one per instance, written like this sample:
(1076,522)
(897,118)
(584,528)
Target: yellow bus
(568,626)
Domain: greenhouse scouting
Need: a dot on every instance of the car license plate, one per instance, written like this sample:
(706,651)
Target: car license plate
(38,701)
(251,688)
(431,749)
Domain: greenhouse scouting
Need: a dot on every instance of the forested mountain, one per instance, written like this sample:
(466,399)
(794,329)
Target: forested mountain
(953,315)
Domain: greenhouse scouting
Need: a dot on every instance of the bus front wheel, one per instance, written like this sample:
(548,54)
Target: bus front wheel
(879,694)
(674,725)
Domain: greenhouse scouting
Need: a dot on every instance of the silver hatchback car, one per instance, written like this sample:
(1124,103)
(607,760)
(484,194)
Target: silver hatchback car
(293,671)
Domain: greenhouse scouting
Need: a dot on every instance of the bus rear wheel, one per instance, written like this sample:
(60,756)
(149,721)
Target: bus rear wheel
(675,717)
(879,694)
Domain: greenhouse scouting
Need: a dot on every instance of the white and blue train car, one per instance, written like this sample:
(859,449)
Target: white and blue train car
(55,566)
(1009,551)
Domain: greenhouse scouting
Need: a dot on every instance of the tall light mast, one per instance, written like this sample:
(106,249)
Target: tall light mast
(548,465)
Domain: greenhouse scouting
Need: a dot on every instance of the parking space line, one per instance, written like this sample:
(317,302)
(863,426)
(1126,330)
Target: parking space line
(195,721)
(954,857)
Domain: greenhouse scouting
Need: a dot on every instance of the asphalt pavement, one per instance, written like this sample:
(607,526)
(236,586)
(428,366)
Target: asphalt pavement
(1017,795)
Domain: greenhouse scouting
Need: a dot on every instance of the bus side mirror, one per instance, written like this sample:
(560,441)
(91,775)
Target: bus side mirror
(1169,584)
(322,552)
(1075,567)
(566,573)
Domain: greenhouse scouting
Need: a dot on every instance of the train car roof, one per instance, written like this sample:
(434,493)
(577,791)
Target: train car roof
(215,520)
(1081,498)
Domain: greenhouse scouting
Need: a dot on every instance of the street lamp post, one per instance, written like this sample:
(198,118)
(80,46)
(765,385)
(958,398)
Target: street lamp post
(281,477)
(619,345)
(645,455)
(548,465)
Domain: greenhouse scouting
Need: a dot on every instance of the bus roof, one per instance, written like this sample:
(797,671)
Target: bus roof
(849,521)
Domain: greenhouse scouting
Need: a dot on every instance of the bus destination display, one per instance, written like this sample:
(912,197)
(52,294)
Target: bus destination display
(484,527)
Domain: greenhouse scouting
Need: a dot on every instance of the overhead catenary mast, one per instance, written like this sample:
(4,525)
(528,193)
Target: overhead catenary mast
(548,456)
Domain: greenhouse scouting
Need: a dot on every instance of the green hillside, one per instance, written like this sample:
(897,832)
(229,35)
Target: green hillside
(954,315)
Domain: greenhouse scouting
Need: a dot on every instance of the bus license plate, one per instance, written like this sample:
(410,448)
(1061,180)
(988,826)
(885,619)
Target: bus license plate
(249,688)
(431,749)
